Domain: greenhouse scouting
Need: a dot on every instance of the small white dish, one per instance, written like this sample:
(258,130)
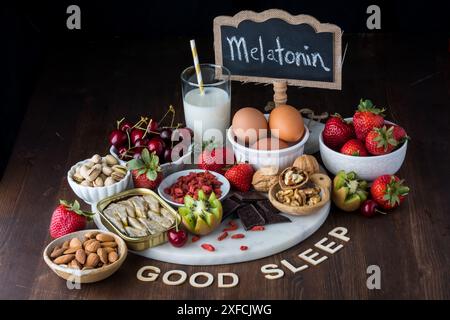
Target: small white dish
(171,179)
(95,194)
(367,168)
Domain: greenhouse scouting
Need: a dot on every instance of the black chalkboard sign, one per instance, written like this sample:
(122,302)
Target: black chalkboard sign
(274,45)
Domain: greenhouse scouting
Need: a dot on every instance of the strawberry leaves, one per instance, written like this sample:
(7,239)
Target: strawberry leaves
(385,138)
(75,208)
(395,189)
(367,105)
(148,165)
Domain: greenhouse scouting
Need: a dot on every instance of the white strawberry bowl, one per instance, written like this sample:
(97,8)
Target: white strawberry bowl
(367,168)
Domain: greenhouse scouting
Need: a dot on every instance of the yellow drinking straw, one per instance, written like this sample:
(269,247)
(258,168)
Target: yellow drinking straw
(197,67)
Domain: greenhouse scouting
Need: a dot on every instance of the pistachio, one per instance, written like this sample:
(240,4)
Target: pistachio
(111,160)
(120,169)
(117,176)
(94,172)
(109,181)
(89,164)
(96,158)
(77,177)
(98,182)
(107,170)
(86,183)
(84,169)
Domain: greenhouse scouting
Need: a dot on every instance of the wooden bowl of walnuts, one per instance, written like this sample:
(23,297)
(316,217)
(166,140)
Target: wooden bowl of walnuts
(86,256)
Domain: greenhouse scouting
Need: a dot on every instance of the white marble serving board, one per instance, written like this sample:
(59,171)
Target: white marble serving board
(274,239)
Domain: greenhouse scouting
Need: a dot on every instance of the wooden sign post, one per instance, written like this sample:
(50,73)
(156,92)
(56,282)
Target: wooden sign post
(275,47)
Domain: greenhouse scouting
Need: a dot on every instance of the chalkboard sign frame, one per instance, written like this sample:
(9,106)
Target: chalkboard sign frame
(263,16)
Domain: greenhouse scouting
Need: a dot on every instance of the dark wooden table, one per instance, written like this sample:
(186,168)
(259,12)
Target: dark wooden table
(84,89)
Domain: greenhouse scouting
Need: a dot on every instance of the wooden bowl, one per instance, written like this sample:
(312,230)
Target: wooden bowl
(320,179)
(89,275)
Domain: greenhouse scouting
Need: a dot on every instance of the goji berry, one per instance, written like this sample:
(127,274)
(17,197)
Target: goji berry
(195,238)
(223,236)
(232,223)
(243,248)
(258,228)
(231,228)
(208,247)
(238,236)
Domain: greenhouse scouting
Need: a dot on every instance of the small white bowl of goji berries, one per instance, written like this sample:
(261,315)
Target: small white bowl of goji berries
(176,186)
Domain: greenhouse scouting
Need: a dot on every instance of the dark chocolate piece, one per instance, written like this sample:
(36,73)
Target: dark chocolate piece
(229,206)
(270,213)
(250,196)
(250,216)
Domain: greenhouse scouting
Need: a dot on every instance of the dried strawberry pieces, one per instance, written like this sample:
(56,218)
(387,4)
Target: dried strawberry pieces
(191,183)
(208,247)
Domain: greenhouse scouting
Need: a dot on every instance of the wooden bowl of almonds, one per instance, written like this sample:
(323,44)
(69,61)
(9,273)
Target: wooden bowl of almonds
(86,256)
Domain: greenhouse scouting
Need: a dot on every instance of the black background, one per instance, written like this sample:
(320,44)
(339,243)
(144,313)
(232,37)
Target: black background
(29,29)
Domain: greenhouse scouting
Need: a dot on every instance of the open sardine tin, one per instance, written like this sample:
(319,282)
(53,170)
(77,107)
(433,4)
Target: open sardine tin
(137,243)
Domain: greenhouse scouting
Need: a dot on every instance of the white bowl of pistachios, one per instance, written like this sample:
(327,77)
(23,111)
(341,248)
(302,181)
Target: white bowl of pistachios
(98,177)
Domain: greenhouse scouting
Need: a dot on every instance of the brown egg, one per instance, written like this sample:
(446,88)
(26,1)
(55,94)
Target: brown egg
(249,124)
(269,144)
(286,123)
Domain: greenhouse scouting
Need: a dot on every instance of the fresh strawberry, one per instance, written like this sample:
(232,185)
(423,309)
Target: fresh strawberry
(381,141)
(67,218)
(240,176)
(215,158)
(388,191)
(354,147)
(337,132)
(146,172)
(399,133)
(366,118)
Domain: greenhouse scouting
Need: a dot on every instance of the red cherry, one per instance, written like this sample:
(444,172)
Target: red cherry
(168,155)
(135,135)
(156,145)
(117,138)
(369,208)
(125,126)
(177,238)
(152,125)
(166,134)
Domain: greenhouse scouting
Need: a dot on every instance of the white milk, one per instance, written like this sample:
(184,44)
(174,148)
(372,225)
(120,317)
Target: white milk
(209,114)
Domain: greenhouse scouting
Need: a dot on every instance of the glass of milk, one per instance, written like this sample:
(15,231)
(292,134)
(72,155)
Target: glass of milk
(207,114)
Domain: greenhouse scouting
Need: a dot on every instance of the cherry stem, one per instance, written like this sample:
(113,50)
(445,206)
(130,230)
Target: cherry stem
(119,122)
(382,212)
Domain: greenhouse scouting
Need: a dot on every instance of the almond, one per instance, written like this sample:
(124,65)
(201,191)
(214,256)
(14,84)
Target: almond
(75,243)
(109,249)
(80,255)
(113,256)
(64,259)
(74,264)
(103,255)
(110,244)
(57,251)
(91,235)
(72,250)
(92,246)
(92,260)
(65,244)
(87,242)
(104,237)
